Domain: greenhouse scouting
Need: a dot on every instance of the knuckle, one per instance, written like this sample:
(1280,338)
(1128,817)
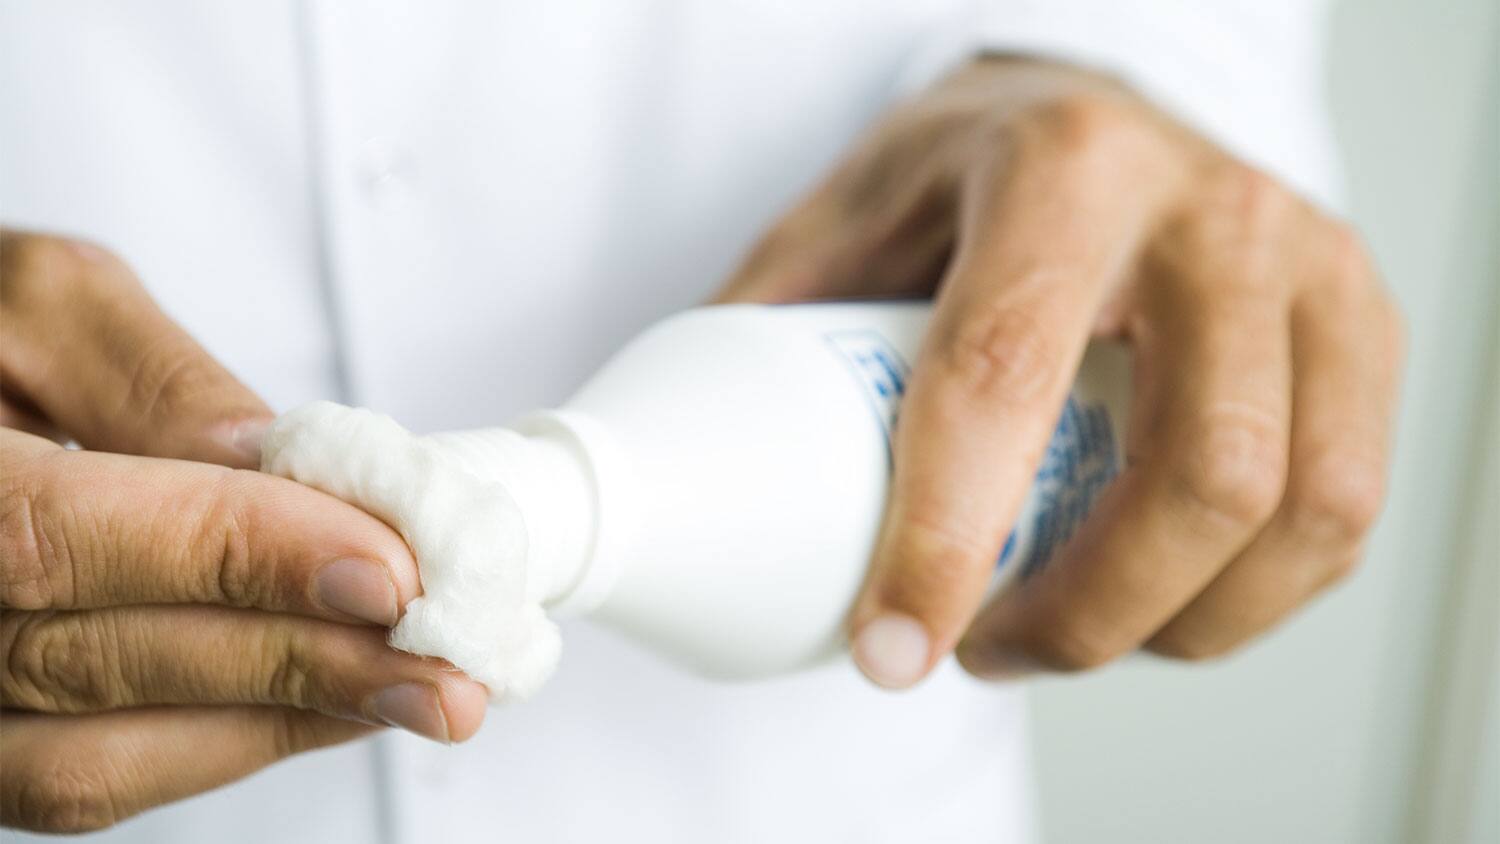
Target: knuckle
(36,269)
(937,559)
(67,796)
(1080,126)
(1251,197)
(1338,497)
(1234,473)
(56,662)
(293,731)
(290,671)
(1001,354)
(1069,644)
(170,374)
(288,732)
(1238,213)
(225,547)
(32,549)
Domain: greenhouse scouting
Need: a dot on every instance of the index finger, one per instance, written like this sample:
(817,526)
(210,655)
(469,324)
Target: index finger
(1038,256)
(90,352)
(88,529)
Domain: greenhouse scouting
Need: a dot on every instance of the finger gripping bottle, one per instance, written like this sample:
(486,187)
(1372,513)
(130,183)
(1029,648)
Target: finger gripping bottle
(715,490)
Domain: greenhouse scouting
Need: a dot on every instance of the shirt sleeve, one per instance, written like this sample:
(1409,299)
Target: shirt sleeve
(1247,73)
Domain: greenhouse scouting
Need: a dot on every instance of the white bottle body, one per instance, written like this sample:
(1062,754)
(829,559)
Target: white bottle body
(740,456)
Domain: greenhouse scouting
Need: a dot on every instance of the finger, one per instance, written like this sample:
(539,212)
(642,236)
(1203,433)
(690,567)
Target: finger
(1346,351)
(87,346)
(873,229)
(18,414)
(1207,465)
(140,656)
(71,774)
(1038,256)
(88,529)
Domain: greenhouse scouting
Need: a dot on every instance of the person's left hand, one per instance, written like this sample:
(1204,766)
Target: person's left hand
(169,620)
(1048,206)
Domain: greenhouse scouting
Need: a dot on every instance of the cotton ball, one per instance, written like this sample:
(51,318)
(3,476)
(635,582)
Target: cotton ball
(467,533)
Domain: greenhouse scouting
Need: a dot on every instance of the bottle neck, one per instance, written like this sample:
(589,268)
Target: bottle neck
(548,475)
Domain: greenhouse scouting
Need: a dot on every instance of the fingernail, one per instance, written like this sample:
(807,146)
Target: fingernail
(246,437)
(360,588)
(892,650)
(414,707)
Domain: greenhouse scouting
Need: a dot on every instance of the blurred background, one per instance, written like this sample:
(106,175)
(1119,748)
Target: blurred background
(1376,717)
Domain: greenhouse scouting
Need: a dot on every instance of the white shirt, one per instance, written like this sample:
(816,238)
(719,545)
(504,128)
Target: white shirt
(453,211)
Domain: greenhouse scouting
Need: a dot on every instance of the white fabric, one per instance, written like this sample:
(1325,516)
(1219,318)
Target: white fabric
(380,193)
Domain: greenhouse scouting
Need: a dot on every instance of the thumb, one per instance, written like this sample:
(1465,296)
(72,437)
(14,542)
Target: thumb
(86,345)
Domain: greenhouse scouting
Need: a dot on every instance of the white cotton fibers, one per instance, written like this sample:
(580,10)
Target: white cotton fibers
(481,603)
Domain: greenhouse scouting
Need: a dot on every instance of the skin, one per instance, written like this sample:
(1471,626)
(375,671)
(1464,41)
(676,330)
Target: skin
(1047,207)
(171,621)
(164,631)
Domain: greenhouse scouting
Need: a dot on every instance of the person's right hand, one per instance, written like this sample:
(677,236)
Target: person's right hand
(170,625)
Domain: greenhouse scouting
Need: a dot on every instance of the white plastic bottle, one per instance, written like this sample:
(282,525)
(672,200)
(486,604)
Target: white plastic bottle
(714,491)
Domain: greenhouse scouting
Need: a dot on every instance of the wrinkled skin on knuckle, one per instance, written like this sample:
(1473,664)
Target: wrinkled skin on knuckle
(294,731)
(1232,472)
(224,550)
(31,549)
(291,670)
(171,375)
(64,298)
(1000,355)
(65,793)
(306,668)
(49,539)
(1081,126)
(59,662)
(289,733)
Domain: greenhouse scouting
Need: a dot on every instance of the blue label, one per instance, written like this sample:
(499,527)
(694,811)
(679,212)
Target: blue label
(880,372)
(1081,458)
(1080,461)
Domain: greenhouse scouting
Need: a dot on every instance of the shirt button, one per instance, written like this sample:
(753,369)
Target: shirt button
(386,169)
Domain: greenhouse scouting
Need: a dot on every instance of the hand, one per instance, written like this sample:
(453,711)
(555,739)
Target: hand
(170,626)
(1048,206)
